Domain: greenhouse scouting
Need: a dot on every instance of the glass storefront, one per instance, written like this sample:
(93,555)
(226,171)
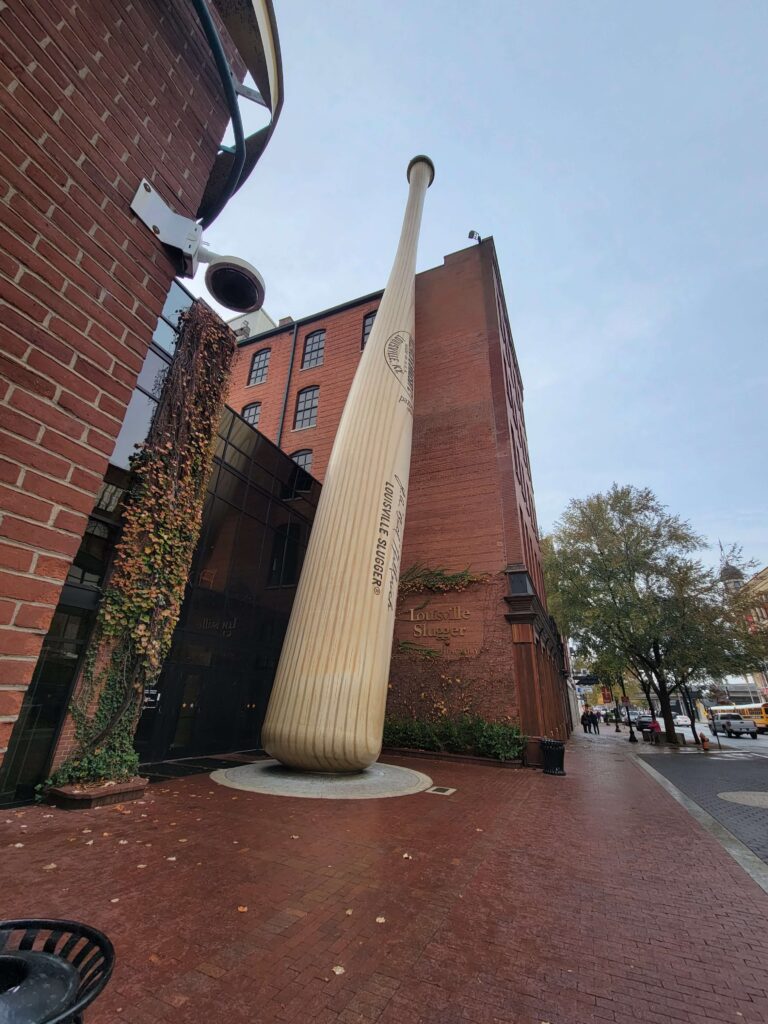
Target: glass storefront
(212,695)
(213,692)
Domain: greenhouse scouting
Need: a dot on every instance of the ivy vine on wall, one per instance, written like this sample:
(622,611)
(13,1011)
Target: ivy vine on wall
(418,578)
(162,519)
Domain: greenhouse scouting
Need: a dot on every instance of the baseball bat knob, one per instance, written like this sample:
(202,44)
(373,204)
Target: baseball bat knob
(421,159)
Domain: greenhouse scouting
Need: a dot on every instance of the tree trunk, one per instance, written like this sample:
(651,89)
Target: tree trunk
(662,691)
(647,691)
(666,712)
(688,705)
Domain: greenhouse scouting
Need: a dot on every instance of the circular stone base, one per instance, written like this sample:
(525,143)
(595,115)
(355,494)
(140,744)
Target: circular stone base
(746,797)
(274,779)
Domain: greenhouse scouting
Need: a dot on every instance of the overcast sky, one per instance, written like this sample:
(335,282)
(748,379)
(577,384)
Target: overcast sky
(616,152)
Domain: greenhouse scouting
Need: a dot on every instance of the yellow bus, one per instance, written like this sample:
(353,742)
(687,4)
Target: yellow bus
(758,713)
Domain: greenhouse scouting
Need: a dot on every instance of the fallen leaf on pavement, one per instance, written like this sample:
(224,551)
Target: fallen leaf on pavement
(242,910)
(338,969)
(380,920)
(49,867)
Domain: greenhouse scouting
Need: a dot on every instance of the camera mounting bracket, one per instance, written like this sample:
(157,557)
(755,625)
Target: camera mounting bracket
(173,229)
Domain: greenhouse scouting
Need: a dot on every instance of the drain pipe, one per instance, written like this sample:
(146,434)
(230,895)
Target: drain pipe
(287,385)
(228,85)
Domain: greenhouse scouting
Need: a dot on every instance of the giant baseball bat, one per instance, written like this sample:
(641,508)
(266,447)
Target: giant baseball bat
(326,711)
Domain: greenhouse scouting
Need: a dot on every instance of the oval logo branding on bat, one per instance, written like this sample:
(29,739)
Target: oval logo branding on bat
(398,352)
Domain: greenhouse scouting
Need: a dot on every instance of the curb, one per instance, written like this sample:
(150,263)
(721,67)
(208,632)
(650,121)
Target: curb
(744,857)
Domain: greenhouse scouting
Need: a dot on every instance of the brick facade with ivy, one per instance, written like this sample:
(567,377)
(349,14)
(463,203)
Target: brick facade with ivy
(95,97)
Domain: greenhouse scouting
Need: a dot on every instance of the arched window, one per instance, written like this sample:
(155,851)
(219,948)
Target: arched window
(259,366)
(367,325)
(303,459)
(306,408)
(314,350)
(251,413)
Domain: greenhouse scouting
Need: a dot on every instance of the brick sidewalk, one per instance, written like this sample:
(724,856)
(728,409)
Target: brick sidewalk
(525,899)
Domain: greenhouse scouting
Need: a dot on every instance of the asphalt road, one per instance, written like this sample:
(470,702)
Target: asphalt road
(730,783)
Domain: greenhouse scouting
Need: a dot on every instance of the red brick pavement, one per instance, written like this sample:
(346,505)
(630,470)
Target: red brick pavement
(525,899)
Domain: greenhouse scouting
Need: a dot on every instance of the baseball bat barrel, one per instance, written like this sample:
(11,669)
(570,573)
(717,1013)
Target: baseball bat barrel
(326,710)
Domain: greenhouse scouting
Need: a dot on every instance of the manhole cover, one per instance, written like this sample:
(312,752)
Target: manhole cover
(747,797)
(441,790)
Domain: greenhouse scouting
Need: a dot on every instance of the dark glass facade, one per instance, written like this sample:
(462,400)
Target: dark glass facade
(214,689)
(212,695)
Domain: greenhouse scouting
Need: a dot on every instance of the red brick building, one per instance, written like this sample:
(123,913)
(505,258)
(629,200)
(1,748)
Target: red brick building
(491,648)
(95,97)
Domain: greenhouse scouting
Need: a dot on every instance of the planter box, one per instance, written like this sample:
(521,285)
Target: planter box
(80,798)
(440,755)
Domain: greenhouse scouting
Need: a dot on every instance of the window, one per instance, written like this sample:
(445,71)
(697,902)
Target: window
(287,553)
(367,325)
(306,408)
(259,365)
(314,350)
(300,482)
(251,414)
(303,459)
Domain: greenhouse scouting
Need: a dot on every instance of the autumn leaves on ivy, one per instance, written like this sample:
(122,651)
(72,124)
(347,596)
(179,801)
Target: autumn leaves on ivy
(162,520)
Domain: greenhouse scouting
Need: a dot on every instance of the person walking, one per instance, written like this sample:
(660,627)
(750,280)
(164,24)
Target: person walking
(585,721)
(594,721)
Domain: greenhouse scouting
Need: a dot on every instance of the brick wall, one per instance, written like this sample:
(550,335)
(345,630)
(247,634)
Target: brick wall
(95,96)
(463,503)
(343,334)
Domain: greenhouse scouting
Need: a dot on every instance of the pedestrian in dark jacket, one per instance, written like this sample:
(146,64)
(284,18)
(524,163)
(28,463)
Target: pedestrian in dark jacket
(594,722)
(585,721)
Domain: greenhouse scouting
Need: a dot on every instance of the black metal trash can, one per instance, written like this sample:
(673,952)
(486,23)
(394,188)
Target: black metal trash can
(51,970)
(553,754)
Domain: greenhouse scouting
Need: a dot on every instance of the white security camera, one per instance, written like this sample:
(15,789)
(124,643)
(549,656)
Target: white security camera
(231,281)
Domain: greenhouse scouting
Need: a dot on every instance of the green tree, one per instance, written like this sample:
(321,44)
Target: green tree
(624,581)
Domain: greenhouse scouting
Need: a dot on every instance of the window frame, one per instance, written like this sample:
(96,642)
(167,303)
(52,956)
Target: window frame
(319,333)
(364,337)
(304,451)
(251,405)
(262,380)
(304,391)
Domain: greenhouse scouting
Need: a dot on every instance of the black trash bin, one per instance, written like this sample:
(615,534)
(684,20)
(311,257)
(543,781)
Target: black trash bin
(553,755)
(51,970)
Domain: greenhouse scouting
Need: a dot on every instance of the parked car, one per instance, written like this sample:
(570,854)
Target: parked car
(733,725)
(681,720)
(643,722)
